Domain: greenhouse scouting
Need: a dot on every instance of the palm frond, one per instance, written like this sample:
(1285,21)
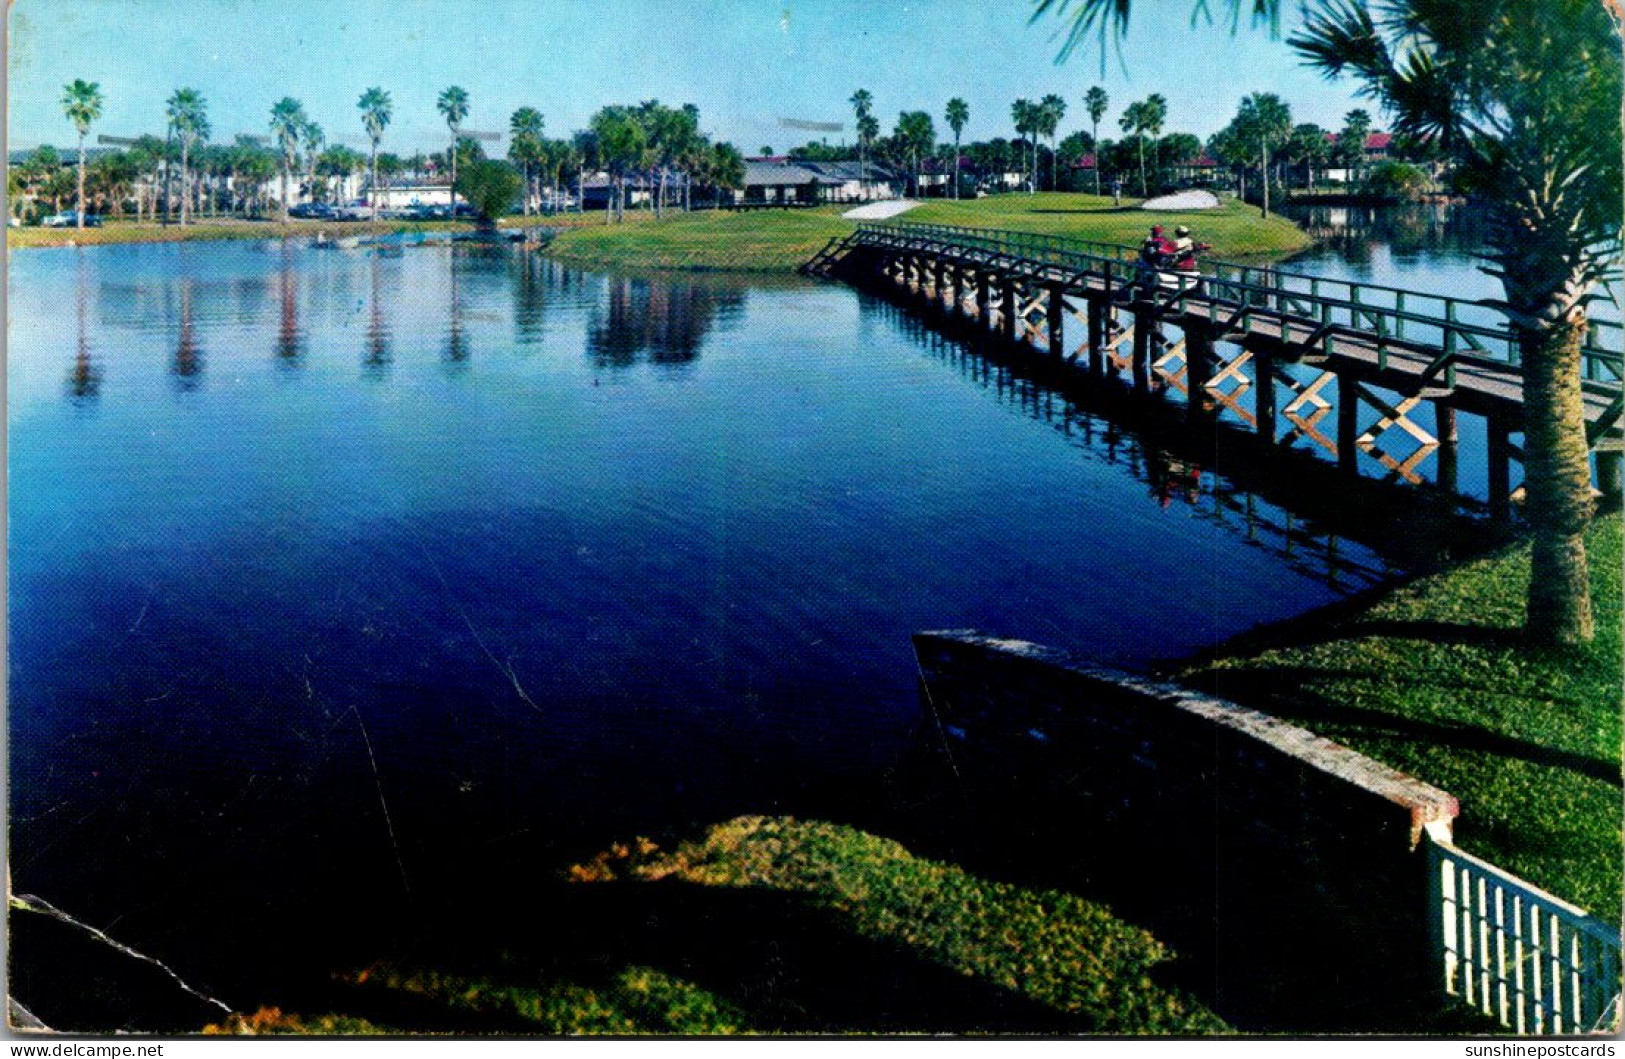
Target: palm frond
(1339,37)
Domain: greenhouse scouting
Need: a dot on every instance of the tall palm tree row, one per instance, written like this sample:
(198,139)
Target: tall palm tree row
(82,103)
(453,106)
(1023,115)
(957,114)
(288,121)
(188,114)
(1095,101)
(376,112)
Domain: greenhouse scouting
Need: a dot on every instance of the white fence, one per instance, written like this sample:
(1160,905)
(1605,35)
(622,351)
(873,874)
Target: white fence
(1533,962)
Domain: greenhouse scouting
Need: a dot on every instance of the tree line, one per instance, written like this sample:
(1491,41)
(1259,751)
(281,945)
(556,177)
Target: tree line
(183,175)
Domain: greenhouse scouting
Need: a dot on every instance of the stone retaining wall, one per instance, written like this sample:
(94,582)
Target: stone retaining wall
(1286,866)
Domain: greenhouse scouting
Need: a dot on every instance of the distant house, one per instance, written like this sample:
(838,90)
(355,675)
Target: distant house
(1378,148)
(778,182)
(1203,169)
(598,191)
(857,181)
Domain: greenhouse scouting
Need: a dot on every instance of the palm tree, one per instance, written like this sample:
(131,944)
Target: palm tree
(958,114)
(867,127)
(1051,109)
(311,140)
(525,145)
(376,112)
(188,114)
(288,121)
(1526,99)
(82,103)
(453,105)
(1023,116)
(1132,122)
(1096,101)
(917,136)
(1265,121)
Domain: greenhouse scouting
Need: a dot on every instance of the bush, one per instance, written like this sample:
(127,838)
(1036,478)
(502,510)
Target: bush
(1399,179)
(490,187)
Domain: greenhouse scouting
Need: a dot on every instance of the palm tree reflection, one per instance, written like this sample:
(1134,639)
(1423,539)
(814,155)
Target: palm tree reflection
(187,367)
(290,344)
(85,378)
(378,355)
(457,350)
(665,320)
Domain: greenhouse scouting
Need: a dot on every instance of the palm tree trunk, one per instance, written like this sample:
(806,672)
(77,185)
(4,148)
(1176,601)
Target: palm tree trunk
(1143,191)
(1095,125)
(374,195)
(1557,481)
(184,201)
(1264,175)
(79,221)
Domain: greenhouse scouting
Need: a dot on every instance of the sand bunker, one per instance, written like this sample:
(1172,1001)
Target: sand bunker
(1184,200)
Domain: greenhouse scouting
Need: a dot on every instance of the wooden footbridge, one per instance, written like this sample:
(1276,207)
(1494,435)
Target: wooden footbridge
(1279,351)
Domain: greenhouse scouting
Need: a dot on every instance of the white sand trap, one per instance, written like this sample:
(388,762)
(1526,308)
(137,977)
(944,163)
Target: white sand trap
(879,211)
(1185,200)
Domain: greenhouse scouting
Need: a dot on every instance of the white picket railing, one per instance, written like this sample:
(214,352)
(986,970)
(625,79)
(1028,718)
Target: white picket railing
(1532,961)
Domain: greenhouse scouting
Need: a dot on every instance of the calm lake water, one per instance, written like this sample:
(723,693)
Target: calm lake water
(338,577)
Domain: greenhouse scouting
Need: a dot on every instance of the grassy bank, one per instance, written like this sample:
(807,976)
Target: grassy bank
(117,232)
(751,240)
(1432,679)
(770,925)
(780,240)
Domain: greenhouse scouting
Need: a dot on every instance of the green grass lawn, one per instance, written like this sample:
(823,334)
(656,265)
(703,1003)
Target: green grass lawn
(1431,679)
(771,925)
(781,240)
(1235,229)
(707,240)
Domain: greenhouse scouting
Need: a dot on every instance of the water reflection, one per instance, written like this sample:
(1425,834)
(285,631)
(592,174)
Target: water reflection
(457,351)
(290,343)
(665,321)
(85,378)
(187,367)
(1355,234)
(376,362)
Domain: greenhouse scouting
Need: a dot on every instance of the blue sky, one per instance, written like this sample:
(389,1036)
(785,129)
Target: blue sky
(745,63)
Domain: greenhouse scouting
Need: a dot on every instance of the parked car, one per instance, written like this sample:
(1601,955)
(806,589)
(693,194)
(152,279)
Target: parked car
(311,211)
(70,219)
(352,211)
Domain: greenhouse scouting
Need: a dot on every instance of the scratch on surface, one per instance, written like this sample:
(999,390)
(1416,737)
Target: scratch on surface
(38,904)
(140,617)
(377,780)
(506,669)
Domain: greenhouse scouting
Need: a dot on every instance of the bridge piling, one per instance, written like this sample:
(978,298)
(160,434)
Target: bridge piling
(1144,324)
(1098,311)
(984,301)
(1012,306)
(1264,399)
(1348,423)
(1056,314)
(1500,466)
(1198,369)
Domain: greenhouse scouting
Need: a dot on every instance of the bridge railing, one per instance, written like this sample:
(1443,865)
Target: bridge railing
(1462,330)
